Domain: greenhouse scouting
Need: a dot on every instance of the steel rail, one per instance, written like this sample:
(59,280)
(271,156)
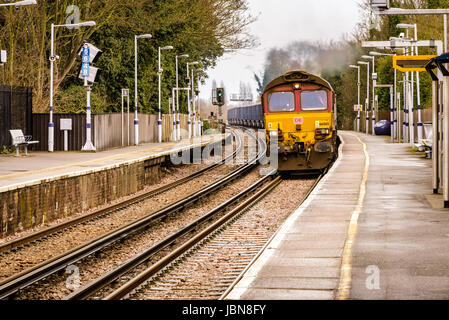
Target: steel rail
(144,276)
(98,284)
(27,277)
(240,276)
(36,236)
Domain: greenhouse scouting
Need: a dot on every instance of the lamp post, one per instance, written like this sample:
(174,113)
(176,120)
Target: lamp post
(199,126)
(159,72)
(418,95)
(358,94)
(19,3)
(189,122)
(408,126)
(136,120)
(373,115)
(178,125)
(53,58)
(394,117)
(367,94)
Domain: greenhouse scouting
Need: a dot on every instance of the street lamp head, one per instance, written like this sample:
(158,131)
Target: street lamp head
(192,63)
(85,24)
(167,48)
(19,3)
(362,62)
(144,36)
(183,56)
(367,57)
(405,26)
(378,54)
(353,66)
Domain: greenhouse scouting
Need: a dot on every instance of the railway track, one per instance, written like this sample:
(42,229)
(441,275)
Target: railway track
(228,242)
(182,237)
(30,276)
(48,232)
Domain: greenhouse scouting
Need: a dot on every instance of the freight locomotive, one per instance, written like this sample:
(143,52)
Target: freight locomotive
(300,116)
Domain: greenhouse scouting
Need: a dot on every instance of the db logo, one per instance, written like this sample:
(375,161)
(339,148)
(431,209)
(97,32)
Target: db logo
(298,120)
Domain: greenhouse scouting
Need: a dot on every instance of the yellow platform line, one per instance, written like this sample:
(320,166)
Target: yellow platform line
(344,286)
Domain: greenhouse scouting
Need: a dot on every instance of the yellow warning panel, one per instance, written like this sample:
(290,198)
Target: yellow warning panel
(411,63)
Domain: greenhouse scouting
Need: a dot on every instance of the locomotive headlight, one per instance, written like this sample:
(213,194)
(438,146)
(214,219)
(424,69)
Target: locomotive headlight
(322,132)
(273,133)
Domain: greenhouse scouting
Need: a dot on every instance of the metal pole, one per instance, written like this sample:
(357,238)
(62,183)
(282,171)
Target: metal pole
(400,127)
(445,32)
(373,115)
(418,94)
(193,105)
(411,102)
(358,99)
(367,99)
(200,123)
(189,122)
(177,129)
(435,149)
(128,119)
(391,114)
(159,119)
(88,146)
(123,118)
(136,120)
(446,142)
(51,125)
(395,114)
(175,135)
(404,93)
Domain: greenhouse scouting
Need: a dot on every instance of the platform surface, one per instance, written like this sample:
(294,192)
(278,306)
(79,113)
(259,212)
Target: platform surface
(367,231)
(17,172)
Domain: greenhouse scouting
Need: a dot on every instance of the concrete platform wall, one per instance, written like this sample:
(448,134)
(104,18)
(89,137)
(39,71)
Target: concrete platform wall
(31,206)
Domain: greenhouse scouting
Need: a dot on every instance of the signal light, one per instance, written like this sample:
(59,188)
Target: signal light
(220,96)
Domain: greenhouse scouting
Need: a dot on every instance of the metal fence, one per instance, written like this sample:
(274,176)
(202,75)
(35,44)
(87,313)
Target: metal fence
(16,107)
(108,130)
(426,116)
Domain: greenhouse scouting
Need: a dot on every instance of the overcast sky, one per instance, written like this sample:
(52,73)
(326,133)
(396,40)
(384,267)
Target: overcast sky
(279,23)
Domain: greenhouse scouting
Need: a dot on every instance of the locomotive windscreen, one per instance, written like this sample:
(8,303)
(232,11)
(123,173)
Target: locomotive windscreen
(314,100)
(281,102)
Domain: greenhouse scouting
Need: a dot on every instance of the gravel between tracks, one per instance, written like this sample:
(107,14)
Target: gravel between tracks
(55,287)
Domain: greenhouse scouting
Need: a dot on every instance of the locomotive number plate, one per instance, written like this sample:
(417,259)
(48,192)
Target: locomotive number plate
(298,120)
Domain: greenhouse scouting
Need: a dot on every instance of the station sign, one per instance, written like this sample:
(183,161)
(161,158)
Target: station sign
(411,63)
(85,62)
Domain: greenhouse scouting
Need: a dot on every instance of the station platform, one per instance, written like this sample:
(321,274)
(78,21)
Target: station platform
(371,229)
(43,187)
(22,171)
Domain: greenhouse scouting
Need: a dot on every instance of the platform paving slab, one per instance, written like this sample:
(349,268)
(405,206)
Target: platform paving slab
(403,231)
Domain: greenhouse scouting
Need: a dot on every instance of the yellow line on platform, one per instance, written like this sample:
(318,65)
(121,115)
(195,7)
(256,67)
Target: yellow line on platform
(344,286)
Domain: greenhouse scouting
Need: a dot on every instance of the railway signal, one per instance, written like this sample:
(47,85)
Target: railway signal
(220,96)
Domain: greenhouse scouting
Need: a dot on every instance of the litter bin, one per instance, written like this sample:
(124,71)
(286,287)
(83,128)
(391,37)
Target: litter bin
(382,128)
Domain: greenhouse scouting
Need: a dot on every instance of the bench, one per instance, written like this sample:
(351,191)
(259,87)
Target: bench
(19,139)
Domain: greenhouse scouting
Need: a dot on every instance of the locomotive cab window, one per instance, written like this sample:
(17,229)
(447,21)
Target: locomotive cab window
(281,101)
(314,100)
